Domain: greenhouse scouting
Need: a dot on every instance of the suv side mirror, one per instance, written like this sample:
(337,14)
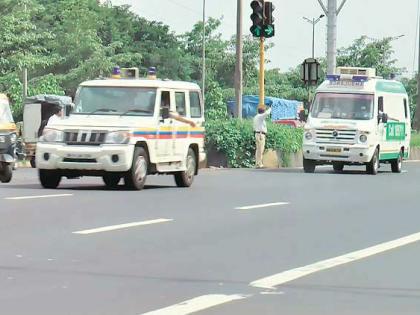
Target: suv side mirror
(165,113)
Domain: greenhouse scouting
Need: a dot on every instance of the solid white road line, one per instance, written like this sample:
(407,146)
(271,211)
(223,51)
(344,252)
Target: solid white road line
(121,226)
(293,274)
(197,304)
(263,206)
(38,197)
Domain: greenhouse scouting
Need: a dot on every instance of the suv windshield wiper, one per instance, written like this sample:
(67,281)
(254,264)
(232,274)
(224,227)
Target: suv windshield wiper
(136,111)
(105,110)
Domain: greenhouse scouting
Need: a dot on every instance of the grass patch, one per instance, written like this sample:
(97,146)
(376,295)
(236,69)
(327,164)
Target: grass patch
(415,140)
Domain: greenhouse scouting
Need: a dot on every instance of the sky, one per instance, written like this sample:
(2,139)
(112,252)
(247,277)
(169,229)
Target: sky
(293,41)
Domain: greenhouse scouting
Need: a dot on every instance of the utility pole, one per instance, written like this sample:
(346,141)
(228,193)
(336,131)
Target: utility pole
(203,74)
(239,60)
(332,12)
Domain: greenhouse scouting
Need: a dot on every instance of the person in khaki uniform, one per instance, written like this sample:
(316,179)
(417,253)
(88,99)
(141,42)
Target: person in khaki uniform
(260,131)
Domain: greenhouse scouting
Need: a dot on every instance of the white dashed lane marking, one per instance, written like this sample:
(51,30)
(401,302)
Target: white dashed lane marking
(38,197)
(197,304)
(262,206)
(287,276)
(121,226)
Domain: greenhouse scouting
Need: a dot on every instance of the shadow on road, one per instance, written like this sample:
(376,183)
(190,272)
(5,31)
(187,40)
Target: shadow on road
(82,187)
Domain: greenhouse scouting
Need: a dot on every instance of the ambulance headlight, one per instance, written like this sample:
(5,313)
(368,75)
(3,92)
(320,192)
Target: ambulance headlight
(308,135)
(52,135)
(117,137)
(363,138)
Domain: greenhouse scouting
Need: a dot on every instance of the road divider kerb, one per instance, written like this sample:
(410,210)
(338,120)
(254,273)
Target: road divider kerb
(38,197)
(121,226)
(197,304)
(272,282)
(266,205)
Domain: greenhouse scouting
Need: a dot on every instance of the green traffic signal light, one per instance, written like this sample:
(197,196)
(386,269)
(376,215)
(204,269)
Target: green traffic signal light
(269,31)
(256,30)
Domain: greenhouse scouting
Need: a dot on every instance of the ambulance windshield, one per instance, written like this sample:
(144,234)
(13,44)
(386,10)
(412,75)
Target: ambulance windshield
(343,106)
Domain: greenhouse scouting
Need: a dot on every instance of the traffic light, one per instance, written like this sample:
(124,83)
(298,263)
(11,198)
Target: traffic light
(268,29)
(257,18)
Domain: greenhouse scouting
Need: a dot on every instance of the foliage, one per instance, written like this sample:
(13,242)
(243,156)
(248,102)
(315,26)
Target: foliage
(13,87)
(235,138)
(415,140)
(370,53)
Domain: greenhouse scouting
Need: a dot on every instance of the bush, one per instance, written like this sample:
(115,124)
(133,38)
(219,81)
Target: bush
(235,138)
(415,140)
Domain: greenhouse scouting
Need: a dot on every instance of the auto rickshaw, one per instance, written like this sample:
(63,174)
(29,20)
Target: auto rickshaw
(8,138)
(37,111)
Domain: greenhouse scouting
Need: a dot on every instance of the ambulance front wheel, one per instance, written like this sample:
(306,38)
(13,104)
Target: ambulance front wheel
(372,167)
(186,178)
(136,177)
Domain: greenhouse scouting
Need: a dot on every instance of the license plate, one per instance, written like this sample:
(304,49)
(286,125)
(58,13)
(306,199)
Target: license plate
(78,156)
(334,150)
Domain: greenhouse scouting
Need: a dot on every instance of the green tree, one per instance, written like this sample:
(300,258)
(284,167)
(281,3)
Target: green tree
(370,53)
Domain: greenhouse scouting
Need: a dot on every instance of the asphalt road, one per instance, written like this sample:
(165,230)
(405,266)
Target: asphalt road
(315,244)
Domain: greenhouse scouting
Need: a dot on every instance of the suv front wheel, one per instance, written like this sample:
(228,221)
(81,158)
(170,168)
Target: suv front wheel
(136,176)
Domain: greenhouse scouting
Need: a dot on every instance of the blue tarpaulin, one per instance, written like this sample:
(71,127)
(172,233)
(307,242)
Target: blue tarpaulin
(281,108)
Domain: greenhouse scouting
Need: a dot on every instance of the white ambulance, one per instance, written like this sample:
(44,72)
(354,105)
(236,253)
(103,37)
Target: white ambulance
(126,129)
(357,118)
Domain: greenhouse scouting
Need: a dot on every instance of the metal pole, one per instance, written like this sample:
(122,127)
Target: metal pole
(313,38)
(239,56)
(203,74)
(262,64)
(332,36)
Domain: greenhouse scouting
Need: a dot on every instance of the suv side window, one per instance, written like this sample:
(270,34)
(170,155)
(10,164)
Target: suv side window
(180,103)
(165,100)
(195,105)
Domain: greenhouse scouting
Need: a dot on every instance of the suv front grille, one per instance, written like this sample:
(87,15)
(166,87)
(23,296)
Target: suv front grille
(84,137)
(336,136)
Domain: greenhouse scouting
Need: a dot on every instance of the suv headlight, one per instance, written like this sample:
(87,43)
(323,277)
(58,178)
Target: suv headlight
(52,135)
(117,137)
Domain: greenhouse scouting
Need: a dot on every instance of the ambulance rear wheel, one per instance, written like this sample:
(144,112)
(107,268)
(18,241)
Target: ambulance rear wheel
(186,178)
(136,177)
(6,173)
(309,166)
(49,178)
(396,165)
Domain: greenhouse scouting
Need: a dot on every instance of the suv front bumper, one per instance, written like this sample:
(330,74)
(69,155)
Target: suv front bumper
(109,158)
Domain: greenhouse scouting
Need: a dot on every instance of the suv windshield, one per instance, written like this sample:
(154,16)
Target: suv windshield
(115,101)
(343,106)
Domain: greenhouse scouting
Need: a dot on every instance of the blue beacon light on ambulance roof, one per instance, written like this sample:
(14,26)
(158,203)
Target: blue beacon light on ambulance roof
(116,73)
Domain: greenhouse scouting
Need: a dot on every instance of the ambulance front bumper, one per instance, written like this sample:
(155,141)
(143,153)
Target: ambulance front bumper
(351,154)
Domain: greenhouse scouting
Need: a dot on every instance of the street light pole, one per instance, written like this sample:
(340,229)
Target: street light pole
(239,57)
(203,74)
(313,22)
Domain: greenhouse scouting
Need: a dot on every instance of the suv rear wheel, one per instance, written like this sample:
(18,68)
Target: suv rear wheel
(186,178)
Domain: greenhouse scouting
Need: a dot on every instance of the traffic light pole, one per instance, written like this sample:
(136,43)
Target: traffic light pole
(262,73)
